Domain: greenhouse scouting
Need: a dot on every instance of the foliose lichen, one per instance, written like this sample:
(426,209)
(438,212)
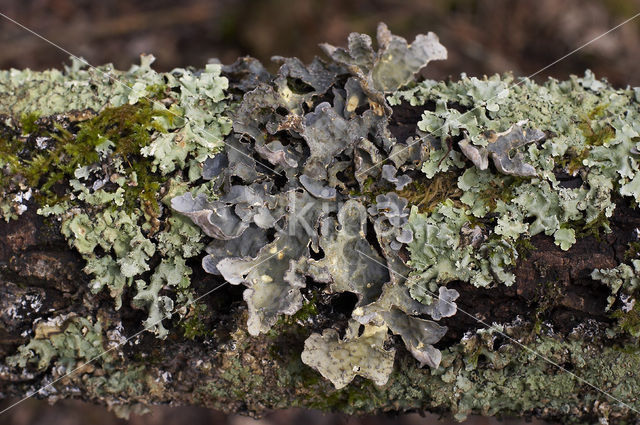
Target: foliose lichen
(69,343)
(103,174)
(325,128)
(312,125)
(297,180)
(64,339)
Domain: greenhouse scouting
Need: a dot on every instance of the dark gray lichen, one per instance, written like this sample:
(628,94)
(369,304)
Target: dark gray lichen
(500,148)
(307,124)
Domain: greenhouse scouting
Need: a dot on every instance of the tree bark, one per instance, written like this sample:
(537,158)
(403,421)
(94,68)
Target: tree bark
(547,354)
(41,277)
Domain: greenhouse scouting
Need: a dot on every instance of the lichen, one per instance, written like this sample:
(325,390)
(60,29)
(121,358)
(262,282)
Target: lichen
(624,282)
(358,353)
(66,340)
(484,373)
(79,349)
(603,140)
(447,246)
(103,173)
(328,155)
(297,185)
(496,153)
(393,65)
(78,87)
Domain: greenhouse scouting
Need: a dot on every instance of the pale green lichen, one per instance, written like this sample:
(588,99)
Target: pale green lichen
(170,273)
(597,147)
(395,62)
(80,349)
(624,279)
(340,360)
(125,252)
(201,103)
(64,340)
(78,87)
(441,253)
(128,151)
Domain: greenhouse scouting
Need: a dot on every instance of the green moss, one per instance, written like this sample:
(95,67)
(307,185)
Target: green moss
(502,189)
(307,311)
(194,325)
(524,247)
(547,297)
(358,395)
(10,147)
(629,321)
(593,228)
(573,160)
(157,91)
(125,130)
(595,132)
(368,190)
(426,194)
(28,122)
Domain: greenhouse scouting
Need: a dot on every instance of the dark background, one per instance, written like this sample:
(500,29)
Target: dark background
(482,37)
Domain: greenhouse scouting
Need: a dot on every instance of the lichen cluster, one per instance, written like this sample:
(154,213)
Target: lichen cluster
(595,151)
(104,174)
(563,181)
(68,343)
(303,144)
(299,186)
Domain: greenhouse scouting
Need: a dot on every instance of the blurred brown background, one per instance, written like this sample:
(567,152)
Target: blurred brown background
(483,37)
(34,412)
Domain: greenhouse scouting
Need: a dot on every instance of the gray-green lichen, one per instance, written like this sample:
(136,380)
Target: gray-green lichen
(298,181)
(484,374)
(67,344)
(356,354)
(137,145)
(323,153)
(531,134)
(441,252)
(64,339)
(623,278)
(597,147)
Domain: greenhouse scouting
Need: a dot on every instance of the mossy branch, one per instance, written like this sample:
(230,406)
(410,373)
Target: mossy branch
(491,204)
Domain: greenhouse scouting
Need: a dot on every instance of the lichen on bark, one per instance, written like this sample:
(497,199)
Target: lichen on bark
(344,196)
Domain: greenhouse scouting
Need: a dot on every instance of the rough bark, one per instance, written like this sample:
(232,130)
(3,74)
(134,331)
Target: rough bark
(231,371)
